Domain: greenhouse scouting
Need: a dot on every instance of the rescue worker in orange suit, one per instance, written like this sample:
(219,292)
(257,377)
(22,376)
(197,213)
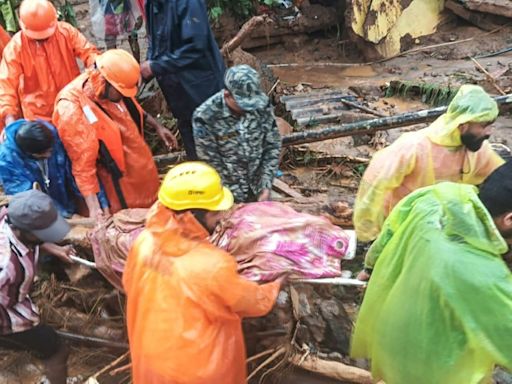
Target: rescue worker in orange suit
(38,62)
(101,124)
(185,298)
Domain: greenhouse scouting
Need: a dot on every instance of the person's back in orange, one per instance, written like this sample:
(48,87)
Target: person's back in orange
(100,125)
(39,61)
(185,299)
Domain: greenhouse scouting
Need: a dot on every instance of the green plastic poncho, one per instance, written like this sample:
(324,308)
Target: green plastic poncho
(426,157)
(438,308)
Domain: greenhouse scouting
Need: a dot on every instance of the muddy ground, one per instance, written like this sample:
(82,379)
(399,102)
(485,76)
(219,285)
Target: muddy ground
(326,182)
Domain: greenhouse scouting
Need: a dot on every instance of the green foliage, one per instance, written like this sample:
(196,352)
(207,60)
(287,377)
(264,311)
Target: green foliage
(432,94)
(67,13)
(241,9)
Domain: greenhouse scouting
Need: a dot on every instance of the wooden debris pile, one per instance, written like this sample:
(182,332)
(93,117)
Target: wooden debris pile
(309,327)
(80,302)
(286,24)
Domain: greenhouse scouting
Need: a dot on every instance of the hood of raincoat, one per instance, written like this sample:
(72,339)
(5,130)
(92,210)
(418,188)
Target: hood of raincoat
(18,171)
(438,276)
(470,104)
(178,233)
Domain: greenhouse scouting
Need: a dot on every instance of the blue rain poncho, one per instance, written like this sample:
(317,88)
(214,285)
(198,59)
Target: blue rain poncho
(438,308)
(19,171)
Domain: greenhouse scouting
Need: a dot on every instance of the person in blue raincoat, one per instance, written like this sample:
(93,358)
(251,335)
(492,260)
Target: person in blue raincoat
(33,153)
(184,57)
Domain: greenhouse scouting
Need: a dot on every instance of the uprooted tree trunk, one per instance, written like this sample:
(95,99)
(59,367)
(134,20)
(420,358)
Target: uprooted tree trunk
(244,32)
(234,55)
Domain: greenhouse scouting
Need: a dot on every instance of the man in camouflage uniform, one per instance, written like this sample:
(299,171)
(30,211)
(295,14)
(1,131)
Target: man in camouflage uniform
(236,132)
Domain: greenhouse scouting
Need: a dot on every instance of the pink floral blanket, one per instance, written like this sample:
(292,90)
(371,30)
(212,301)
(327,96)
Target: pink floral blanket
(269,238)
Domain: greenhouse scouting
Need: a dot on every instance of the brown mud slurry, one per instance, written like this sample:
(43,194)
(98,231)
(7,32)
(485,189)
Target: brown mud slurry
(326,76)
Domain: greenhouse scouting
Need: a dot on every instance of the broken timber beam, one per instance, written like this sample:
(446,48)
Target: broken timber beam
(244,32)
(282,187)
(358,128)
(373,125)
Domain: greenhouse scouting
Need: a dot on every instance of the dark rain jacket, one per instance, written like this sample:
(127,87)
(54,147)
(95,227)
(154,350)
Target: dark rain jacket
(183,53)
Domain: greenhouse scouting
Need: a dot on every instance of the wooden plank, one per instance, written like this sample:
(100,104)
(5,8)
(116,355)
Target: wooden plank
(281,186)
(495,7)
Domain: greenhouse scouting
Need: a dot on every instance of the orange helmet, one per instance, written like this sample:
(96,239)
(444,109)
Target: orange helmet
(121,70)
(38,19)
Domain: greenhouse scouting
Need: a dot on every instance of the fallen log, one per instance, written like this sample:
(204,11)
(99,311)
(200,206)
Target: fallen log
(333,369)
(495,7)
(244,32)
(374,125)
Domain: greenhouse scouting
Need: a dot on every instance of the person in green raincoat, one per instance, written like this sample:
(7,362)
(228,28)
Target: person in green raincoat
(438,307)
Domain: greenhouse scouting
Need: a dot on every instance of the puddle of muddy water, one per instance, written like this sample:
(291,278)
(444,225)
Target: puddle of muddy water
(328,76)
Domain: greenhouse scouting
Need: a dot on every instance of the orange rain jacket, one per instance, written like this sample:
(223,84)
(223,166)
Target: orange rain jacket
(4,39)
(185,305)
(32,73)
(82,119)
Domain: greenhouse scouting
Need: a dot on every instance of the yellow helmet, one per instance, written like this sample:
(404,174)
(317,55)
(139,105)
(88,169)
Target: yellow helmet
(194,185)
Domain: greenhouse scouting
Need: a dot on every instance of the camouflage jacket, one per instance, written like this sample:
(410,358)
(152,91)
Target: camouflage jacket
(244,150)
